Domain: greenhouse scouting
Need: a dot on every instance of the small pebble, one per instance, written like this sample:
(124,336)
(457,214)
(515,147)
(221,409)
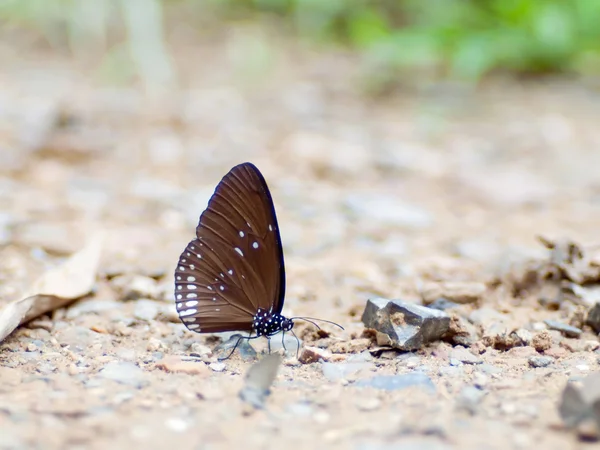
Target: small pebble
(31,347)
(540,361)
(217,366)
(464,355)
(368,404)
(567,330)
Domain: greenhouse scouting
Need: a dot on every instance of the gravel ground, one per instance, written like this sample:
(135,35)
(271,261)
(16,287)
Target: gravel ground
(388,197)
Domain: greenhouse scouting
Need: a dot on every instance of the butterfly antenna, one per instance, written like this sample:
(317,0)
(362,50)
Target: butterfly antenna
(311,320)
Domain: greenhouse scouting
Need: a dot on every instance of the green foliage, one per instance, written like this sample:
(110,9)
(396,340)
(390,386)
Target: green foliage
(463,39)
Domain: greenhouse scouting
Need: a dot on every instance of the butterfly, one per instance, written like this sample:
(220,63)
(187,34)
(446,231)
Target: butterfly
(231,277)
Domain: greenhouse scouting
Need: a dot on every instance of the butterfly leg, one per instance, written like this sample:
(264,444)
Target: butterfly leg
(283,342)
(269,344)
(298,346)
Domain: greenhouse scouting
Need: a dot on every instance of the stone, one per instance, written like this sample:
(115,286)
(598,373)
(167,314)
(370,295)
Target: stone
(523,336)
(540,361)
(489,369)
(486,316)
(398,382)
(217,366)
(124,373)
(593,318)
(579,404)
(146,310)
(311,355)
(461,332)
(175,364)
(92,306)
(542,341)
(368,404)
(403,325)
(469,399)
(567,330)
(133,287)
(452,371)
(288,343)
(243,347)
(340,371)
(460,292)
(464,356)
(556,352)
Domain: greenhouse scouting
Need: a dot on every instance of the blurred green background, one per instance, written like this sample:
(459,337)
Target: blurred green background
(455,39)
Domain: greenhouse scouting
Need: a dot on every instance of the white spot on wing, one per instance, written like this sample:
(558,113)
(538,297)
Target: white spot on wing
(191,295)
(222,288)
(191,287)
(191,303)
(179,296)
(255,245)
(193,326)
(242,234)
(188,312)
(239,250)
(270,227)
(230,271)
(191,278)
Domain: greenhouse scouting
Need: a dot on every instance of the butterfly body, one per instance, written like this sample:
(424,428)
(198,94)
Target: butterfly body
(267,323)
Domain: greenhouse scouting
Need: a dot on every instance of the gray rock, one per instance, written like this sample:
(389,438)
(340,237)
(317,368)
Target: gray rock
(489,369)
(146,310)
(442,304)
(469,398)
(523,336)
(567,330)
(404,325)
(451,371)
(486,316)
(579,404)
(464,356)
(217,366)
(540,361)
(124,373)
(133,287)
(338,371)
(288,343)
(243,347)
(383,209)
(593,317)
(398,382)
(92,306)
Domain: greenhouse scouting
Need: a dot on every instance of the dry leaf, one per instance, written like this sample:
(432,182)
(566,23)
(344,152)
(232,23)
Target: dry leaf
(71,280)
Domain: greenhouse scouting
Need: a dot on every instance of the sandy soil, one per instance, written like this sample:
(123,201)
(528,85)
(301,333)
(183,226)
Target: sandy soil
(374,198)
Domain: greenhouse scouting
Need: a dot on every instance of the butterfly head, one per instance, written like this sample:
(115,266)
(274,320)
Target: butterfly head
(287,324)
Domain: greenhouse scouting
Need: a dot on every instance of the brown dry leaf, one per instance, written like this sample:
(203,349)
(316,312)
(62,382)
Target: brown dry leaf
(71,280)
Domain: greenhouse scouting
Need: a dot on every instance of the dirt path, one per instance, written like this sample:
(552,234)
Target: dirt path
(374,198)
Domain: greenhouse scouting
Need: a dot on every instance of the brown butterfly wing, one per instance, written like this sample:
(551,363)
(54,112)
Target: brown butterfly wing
(235,265)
